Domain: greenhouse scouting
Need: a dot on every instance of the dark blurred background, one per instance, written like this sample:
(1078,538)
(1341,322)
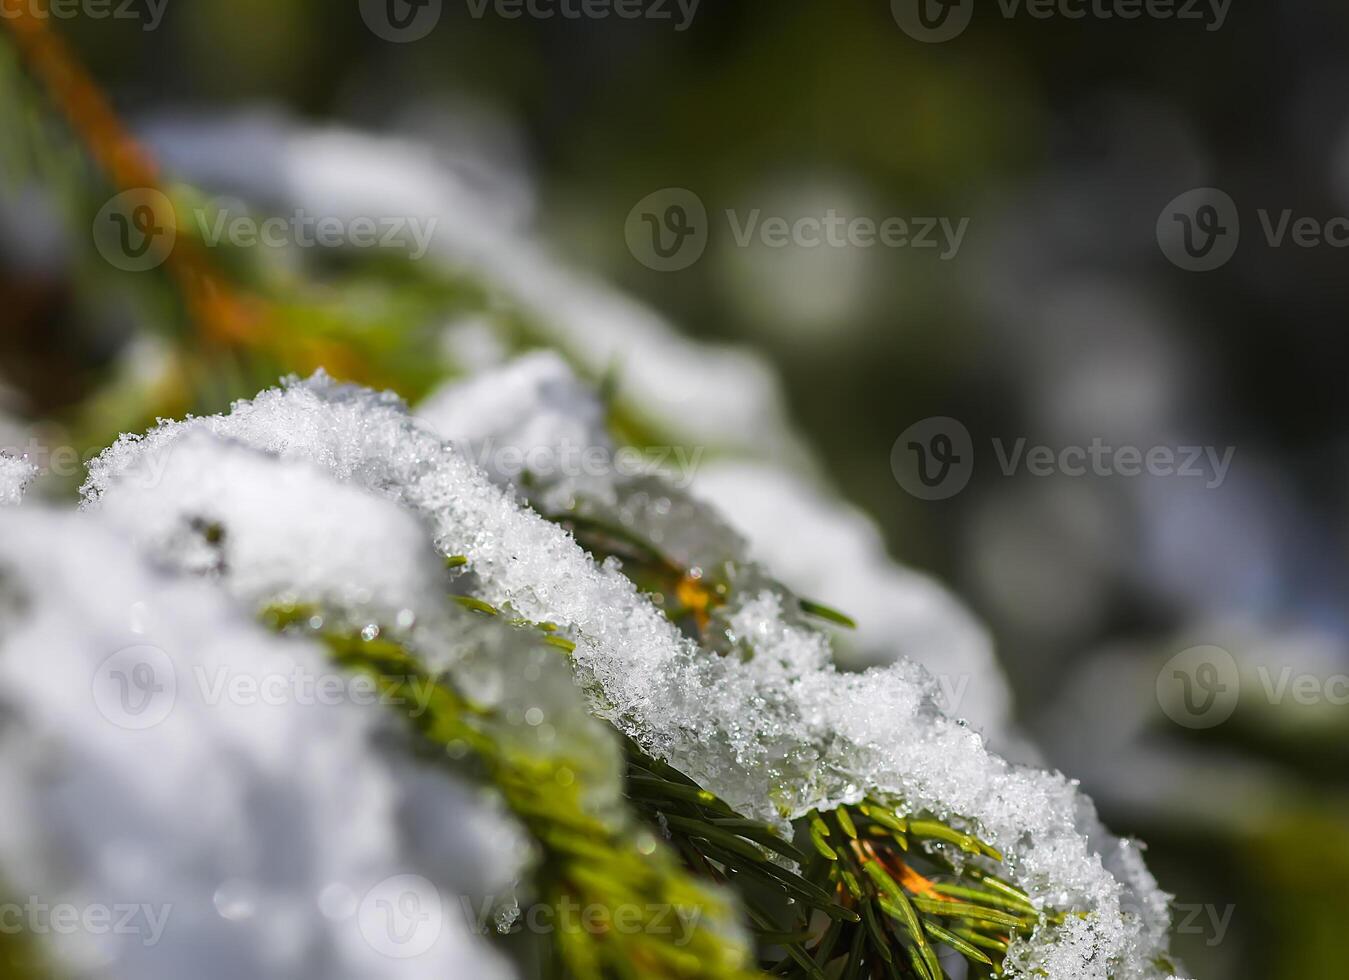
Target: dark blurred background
(1060,320)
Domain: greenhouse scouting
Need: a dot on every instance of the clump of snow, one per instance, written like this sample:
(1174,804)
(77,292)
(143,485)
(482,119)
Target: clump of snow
(15,475)
(162,772)
(275,530)
(532,425)
(532,416)
(777,731)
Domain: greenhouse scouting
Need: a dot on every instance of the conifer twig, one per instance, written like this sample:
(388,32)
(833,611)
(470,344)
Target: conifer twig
(225,317)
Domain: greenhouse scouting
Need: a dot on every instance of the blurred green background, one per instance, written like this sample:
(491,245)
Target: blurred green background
(1059,320)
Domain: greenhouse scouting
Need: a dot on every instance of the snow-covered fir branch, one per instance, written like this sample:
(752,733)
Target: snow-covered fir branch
(762,718)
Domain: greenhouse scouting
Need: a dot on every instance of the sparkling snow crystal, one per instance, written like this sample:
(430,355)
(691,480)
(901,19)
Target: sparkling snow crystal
(826,550)
(15,475)
(776,731)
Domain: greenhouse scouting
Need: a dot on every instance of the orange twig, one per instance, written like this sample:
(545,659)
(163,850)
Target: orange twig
(905,875)
(224,316)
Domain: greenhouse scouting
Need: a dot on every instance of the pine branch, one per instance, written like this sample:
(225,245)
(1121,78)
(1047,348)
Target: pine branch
(878,892)
(587,862)
(885,890)
(870,887)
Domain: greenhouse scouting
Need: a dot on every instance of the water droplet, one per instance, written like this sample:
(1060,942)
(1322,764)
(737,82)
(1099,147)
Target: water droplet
(140,618)
(337,902)
(234,900)
(507,916)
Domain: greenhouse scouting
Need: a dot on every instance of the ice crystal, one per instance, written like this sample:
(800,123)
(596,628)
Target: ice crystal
(15,475)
